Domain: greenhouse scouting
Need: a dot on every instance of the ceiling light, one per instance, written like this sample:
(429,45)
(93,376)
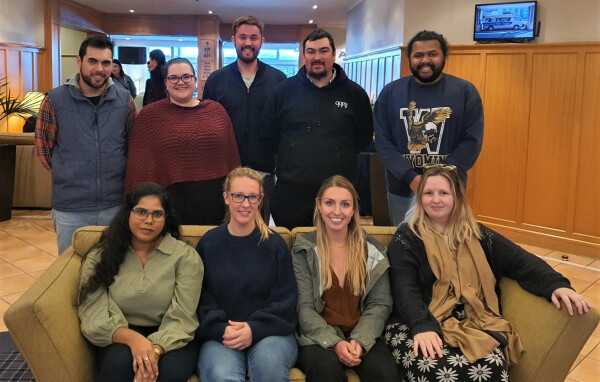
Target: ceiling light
(131,10)
(127,38)
(180,39)
(310,21)
(210,12)
(315,6)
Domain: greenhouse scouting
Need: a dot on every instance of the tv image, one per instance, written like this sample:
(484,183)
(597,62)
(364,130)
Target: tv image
(505,22)
(132,55)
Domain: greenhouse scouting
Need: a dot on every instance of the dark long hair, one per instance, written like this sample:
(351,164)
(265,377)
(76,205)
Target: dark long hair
(121,72)
(115,241)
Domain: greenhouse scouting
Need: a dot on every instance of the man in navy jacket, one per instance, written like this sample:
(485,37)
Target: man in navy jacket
(424,119)
(242,87)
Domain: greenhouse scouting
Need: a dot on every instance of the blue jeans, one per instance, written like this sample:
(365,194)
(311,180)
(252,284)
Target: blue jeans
(268,360)
(398,207)
(67,222)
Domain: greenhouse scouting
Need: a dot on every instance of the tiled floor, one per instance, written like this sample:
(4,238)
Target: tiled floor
(28,247)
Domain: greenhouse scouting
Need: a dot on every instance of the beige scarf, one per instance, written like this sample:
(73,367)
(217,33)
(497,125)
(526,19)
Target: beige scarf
(467,277)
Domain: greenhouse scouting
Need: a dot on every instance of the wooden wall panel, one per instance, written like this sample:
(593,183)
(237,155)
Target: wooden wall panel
(549,149)
(82,17)
(506,123)
(587,203)
(147,25)
(467,66)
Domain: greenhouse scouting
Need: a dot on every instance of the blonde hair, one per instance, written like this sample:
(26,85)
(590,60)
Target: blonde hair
(356,244)
(246,172)
(462,225)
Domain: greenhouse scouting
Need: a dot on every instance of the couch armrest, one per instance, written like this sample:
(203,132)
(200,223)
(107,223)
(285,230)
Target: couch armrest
(45,327)
(552,339)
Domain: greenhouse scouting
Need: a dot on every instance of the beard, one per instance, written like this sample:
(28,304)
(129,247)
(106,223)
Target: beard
(88,81)
(436,72)
(247,60)
(318,76)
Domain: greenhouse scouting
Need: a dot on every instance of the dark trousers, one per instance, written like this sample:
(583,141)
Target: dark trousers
(269,187)
(115,363)
(323,365)
(198,203)
(293,204)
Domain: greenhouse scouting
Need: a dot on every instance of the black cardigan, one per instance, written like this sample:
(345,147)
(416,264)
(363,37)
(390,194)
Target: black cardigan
(412,279)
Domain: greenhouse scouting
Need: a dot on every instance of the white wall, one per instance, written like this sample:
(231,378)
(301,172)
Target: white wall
(562,20)
(375,24)
(22,22)
(70,41)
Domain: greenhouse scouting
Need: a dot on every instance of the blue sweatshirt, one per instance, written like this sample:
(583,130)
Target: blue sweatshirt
(416,125)
(246,280)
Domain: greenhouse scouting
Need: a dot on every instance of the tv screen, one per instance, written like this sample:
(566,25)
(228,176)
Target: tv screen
(132,55)
(505,22)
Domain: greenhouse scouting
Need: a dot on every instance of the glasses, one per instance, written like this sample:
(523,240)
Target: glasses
(186,78)
(142,214)
(449,167)
(239,198)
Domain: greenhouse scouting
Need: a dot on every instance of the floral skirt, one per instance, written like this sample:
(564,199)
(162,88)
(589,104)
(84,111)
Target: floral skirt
(452,367)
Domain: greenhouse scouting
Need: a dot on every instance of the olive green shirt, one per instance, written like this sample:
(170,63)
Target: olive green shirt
(163,293)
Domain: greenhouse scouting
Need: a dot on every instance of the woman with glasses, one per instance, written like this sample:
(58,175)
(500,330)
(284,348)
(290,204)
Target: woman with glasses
(247,310)
(120,78)
(139,291)
(445,274)
(185,145)
(344,295)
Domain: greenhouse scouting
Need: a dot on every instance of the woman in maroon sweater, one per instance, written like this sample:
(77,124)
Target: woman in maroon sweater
(185,145)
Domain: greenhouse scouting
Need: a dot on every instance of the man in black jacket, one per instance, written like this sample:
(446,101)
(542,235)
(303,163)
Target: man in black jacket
(316,122)
(242,87)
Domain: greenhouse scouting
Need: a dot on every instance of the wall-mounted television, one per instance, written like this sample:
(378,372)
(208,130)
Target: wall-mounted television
(132,55)
(505,22)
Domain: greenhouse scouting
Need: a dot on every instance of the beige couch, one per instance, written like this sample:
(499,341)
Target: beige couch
(45,326)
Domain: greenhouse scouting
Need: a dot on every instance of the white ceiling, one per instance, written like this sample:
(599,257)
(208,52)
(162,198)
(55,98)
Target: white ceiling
(329,12)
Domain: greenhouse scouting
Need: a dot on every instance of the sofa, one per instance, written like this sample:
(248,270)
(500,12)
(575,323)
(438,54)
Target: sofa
(45,327)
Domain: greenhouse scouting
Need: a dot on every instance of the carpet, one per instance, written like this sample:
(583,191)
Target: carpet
(12,366)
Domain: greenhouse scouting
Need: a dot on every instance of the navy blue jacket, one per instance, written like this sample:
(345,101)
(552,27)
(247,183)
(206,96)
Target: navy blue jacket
(244,107)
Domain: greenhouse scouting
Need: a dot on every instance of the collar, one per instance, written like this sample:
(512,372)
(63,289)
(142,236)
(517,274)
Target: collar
(330,80)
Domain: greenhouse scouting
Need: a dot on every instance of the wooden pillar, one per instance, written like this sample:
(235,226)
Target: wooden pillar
(208,52)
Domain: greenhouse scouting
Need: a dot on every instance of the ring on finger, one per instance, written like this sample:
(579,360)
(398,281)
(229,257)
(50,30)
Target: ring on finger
(146,359)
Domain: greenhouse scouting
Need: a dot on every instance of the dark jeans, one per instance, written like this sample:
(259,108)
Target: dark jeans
(293,204)
(323,365)
(198,203)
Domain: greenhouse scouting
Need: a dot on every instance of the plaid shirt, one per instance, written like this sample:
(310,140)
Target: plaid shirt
(46,129)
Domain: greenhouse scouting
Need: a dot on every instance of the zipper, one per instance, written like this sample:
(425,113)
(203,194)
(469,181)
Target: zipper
(98,166)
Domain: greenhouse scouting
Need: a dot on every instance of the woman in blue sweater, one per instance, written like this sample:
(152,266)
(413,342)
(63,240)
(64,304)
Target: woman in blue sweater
(247,310)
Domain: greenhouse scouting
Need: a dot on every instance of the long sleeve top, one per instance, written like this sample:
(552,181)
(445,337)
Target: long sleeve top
(412,278)
(163,293)
(246,280)
(417,125)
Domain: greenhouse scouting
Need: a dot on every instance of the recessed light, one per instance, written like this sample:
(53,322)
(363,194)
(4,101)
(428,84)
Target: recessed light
(132,10)
(127,38)
(315,6)
(310,21)
(210,12)
(180,39)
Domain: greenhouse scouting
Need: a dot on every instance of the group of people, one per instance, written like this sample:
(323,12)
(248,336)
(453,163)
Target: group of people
(240,304)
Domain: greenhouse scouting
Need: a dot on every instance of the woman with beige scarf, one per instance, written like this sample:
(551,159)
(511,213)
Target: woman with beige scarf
(445,271)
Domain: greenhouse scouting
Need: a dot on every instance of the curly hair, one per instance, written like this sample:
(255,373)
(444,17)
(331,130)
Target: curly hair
(428,36)
(115,241)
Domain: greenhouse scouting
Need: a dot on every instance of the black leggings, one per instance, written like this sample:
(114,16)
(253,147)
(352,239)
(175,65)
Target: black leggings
(321,364)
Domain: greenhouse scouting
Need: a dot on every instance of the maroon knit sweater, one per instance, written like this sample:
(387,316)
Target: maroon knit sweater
(171,144)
